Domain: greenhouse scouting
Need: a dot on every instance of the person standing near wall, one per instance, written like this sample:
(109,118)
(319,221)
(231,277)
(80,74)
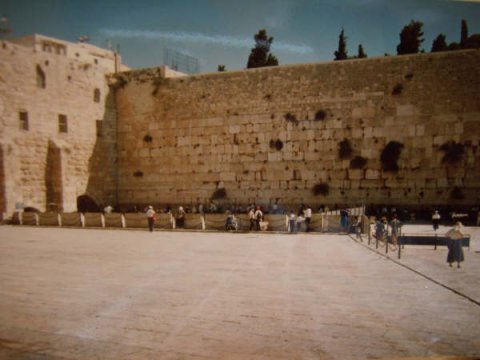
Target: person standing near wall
(436,220)
(251,217)
(291,222)
(180,218)
(344,221)
(151,218)
(307,213)
(395,225)
(258,217)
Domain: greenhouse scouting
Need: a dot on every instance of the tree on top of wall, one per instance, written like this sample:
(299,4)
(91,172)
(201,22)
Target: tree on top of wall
(260,55)
(410,38)
(341,53)
(439,44)
(361,53)
(463,34)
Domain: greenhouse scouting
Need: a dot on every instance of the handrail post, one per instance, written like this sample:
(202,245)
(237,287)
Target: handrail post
(400,247)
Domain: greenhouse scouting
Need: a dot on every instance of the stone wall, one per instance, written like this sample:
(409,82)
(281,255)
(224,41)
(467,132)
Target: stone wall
(274,133)
(41,165)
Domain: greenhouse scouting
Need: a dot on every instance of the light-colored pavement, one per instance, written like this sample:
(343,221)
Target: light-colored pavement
(119,294)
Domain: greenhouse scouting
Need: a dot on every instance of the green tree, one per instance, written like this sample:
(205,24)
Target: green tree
(473,42)
(341,53)
(410,38)
(464,34)
(361,52)
(221,68)
(260,55)
(439,44)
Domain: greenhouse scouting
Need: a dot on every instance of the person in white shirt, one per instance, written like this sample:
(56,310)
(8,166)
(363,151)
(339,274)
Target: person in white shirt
(258,218)
(151,218)
(307,213)
(436,220)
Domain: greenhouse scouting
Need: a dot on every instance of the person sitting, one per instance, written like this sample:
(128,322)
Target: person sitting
(231,223)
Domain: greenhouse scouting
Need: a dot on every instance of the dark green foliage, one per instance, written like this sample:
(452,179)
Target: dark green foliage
(321,189)
(221,68)
(138,173)
(219,194)
(276,144)
(259,55)
(397,90)
(454,46)
(358,162)
(320,115)
(361,53)
(344,149)
(456,193)
(148,138)
(473,42)
(410,38)
(453,152)
(341,53)
(291,118)
(279,144)
(390,155)
(439,44)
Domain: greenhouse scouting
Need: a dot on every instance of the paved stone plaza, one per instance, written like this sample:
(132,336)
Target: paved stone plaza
(125,294)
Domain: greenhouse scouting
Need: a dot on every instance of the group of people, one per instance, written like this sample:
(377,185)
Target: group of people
(454,236)
(303,216)
(381,229)
(179,217)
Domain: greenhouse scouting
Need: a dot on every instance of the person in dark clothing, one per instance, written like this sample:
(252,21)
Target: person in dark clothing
(455,245)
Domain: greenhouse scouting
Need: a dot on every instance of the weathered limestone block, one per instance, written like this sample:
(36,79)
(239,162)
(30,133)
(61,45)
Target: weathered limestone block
(406,110)
(372,174)
(356,174)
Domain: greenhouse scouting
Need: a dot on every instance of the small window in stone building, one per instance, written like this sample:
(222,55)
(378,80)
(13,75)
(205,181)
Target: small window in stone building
(96,95)
(41,80)
(23,117)
(99,128)
(62,123)
(46,47)
(95,61)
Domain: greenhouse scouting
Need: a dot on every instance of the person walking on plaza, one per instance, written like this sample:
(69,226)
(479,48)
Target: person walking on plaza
(436,220)
(455,245)
(151,218)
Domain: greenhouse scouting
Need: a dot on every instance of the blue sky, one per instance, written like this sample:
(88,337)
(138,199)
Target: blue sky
(221,31)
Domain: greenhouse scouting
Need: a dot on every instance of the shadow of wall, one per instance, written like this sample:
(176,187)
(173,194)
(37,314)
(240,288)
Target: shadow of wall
(102,166)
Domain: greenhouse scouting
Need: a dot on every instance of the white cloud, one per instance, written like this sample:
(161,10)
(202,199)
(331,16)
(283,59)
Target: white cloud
(206,39)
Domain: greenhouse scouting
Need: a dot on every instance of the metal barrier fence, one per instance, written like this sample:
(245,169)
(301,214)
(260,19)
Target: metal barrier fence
(325,222)
(386,241)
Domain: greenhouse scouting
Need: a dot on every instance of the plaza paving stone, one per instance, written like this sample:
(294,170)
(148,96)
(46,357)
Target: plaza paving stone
(125,294)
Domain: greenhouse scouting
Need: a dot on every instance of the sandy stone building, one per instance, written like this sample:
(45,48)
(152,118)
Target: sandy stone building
(401,130)
(54,100)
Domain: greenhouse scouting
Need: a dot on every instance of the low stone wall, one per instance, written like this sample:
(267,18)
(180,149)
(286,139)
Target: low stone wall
(139,220)
(92,220)
(48,219)
(71,219)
